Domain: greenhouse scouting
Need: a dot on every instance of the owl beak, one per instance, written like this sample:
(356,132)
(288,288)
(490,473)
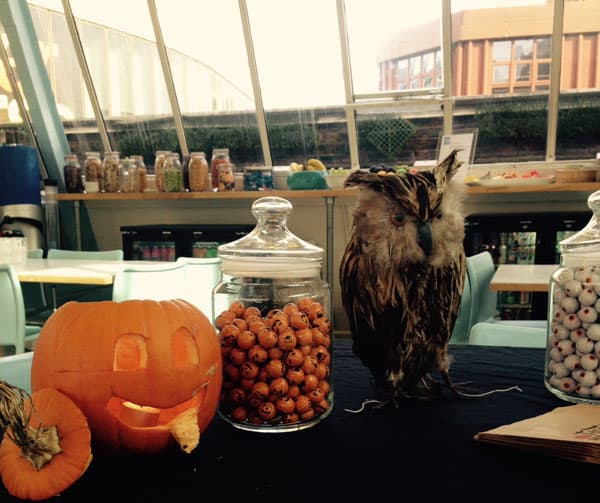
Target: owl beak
(425,237)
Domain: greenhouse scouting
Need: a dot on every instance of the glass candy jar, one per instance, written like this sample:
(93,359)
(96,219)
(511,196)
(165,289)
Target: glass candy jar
(572,370)
(273,316)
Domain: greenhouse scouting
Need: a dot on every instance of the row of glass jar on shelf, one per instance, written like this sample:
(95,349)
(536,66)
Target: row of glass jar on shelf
(113,174)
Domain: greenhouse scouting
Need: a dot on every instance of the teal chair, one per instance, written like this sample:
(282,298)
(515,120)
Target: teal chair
(64,293)
(201,276)
(151,281)
(484,325)
(14,332)
(16,370)
(462,326)
(37,309)
(503,334)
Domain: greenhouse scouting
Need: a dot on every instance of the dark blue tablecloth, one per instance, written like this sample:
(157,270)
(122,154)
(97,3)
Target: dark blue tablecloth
(420,451)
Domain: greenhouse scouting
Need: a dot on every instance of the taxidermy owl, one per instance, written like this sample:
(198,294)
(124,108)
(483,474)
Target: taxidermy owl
(402,276)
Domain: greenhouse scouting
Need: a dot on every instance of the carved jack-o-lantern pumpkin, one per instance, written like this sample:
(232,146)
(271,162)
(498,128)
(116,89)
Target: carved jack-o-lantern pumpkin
(143,372)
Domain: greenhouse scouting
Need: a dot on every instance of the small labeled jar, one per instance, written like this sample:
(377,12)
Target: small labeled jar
(127,175)
(159,169)
(198,172)
(173,175)
(110,172)
(73,174)
(572,370)
(92,170)
(221,171)
(140,173)
(273,316)
(258,178)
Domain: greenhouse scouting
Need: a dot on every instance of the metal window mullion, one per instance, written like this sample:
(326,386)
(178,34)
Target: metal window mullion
(86,74)
(555,69)
(348,86)
(168,75)
(258,101)
(448,106)
(10,74)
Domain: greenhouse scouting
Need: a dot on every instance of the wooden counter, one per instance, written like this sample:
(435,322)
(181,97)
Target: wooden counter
(305,194)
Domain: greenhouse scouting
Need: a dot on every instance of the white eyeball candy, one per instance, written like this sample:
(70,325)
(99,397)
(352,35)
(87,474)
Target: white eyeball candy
(572,362)
(585,377)
(587,361)
(572,321)
(567,384)
(559,370)
(562,332)
(570,304)
(591,279)
(555,355)
(573,288)
(587,315)
(566,347)
(581,273)
(558,295)
(595,391)
(576,334)
(593,332)
(562,275)
(584,345)
(587,297)
(583,390)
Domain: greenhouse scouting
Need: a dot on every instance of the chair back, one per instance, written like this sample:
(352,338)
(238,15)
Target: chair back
(152,281)
(201,276)
(65,293)
(462,326)
(480,270)
(12,310)
(34,294)
(59,253)
(16,370)
(502,334)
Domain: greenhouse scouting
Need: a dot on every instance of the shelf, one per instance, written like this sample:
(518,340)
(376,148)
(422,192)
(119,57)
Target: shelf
(306,194)
(133,196)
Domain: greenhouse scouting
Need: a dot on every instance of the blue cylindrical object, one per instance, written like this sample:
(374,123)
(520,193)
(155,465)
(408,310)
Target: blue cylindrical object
(19,175)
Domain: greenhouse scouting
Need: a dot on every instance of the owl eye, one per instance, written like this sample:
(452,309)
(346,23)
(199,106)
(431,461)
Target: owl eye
(399,218)
(439,216)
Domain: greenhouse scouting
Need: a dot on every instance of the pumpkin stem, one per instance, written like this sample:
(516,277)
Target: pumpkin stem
(38,445)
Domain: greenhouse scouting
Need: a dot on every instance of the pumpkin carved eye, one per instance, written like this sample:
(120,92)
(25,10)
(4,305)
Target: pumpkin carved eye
(184,349)
(130,352)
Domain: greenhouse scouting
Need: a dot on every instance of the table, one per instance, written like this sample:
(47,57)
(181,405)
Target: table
(425,448)
(522,277)
(67,271)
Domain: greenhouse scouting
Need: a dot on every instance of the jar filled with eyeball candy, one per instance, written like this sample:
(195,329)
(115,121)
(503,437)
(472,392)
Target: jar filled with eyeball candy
(572,370)
(273,317)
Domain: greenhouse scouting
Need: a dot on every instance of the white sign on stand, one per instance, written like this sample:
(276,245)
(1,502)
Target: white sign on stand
(465,142)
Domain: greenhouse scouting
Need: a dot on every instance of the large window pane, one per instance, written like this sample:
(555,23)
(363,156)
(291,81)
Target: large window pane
(579,105)
(399,136)
(126,72)
(210,71)
(299,75)
(385,33)
(72,100)
(501,57)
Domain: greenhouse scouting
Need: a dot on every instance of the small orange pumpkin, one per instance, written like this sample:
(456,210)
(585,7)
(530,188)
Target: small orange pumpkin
(143,372)
(46,445)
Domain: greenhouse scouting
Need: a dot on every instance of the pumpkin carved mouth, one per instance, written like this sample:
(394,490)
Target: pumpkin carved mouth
(146,416)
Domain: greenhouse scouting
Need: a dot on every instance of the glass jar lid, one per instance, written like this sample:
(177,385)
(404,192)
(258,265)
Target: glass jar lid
(587,240)
(270,250)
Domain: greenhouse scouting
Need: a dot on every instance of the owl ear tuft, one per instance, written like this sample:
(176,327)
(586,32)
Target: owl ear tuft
(446,169)
(363,178)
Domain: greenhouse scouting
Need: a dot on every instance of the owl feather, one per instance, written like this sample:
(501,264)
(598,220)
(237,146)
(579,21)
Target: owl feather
(402,276)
